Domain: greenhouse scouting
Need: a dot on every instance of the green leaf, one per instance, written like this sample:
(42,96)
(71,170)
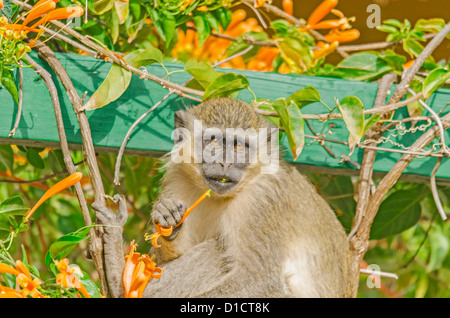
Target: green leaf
(396,61)
(439,250)
(203,29)
(430,25)
(102,6)
(296,54)
(10,280)
(12,206)
(7,156)
(224,16)
(435,79)
(369,122)
(113,86)
(90,286)
(114,27)
(226,85)
(201,71)
(338,191)
(398,212)
(393,22)
(305,96)
(169,27)
(7,81)
(145,57)
(386,28)
(62,246)
(292,122)
(157,22)
(122,10)
(412,47)
(364,61)
(50,264)
(56,160)
(352,111)
(35,159)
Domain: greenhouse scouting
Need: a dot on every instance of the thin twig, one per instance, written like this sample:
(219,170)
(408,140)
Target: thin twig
(258,15)
(19,109)
(377,45)
(434,190)
(436,119)
(370,272)
(378,110)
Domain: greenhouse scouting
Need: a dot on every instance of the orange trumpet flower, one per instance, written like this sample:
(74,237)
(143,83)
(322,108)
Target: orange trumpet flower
(342,36)
(321,11)
(167,231)
(40,8)
(26,282)
(67,277)
(60,14)
(138,272)
(58,187)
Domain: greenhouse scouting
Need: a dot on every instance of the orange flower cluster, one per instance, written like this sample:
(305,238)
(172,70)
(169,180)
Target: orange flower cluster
(67,277)
(26,282)
(138,272)
(340,29)
(46,9)
(215,48)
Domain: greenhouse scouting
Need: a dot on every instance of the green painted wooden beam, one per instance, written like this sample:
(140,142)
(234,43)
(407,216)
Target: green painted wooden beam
(152,137)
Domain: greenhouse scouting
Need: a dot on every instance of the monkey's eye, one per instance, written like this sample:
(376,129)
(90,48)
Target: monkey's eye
(214,141)
(238,145)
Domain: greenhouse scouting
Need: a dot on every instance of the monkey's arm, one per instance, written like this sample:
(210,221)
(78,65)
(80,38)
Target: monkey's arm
(113,244)
(190,273)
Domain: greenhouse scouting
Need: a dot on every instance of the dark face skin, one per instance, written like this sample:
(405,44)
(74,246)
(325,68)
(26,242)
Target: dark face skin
(225,158)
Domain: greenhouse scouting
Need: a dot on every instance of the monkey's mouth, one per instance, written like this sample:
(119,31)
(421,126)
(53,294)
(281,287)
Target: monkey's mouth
(220,184)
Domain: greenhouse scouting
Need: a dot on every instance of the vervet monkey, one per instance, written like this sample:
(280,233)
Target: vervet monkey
(258,234)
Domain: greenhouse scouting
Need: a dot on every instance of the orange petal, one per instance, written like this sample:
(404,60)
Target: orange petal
(6,292)
(130,264)
(23,269)
(4,268)
(321,11)
(288,6)
(58,187)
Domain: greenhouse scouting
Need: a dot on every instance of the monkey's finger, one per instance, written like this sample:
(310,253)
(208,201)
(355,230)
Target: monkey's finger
(122,214)
(164,217)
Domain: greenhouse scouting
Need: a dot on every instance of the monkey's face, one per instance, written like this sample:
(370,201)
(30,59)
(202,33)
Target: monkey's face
(225,158)
(224,145)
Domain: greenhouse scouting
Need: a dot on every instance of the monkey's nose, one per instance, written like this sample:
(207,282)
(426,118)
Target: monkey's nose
(225,165)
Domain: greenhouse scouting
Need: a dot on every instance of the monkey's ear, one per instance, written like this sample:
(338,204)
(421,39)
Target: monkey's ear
(181,119)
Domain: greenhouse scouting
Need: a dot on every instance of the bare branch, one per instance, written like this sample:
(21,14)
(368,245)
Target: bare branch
(96,248)
(434,191)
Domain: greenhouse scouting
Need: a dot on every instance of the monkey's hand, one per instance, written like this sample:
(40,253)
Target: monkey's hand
(168,212)
(113,243)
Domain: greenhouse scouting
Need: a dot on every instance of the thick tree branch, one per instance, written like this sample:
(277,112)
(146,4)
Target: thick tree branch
(360,241)
(46,54)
